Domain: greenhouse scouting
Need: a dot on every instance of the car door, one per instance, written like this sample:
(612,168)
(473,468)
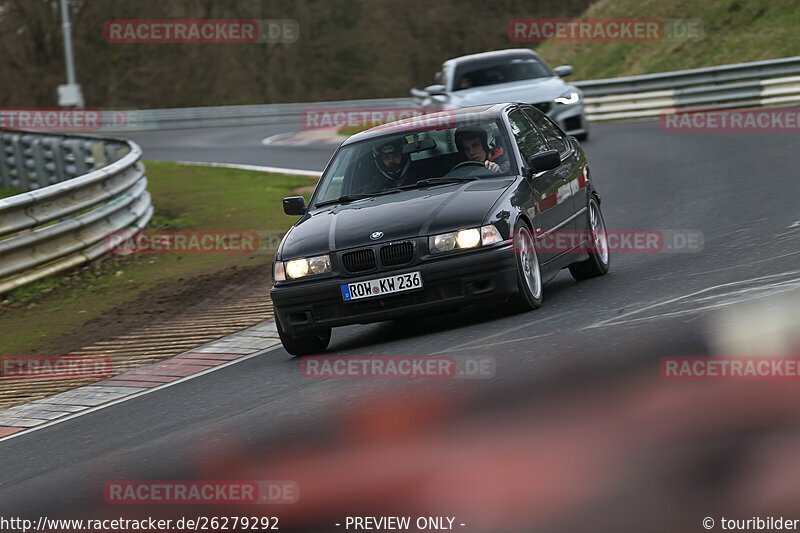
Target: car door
(545,212)
(568,173)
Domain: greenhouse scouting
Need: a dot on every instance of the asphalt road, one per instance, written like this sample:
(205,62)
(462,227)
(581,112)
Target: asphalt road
(240,145)
(739,189)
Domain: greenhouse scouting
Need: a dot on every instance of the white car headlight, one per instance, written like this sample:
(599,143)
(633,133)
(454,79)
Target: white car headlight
(571,97)
(302,267)
(443,243)
(468,238)
(463,239)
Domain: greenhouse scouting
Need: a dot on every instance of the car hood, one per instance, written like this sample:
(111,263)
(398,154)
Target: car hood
(531,91)
(400,215)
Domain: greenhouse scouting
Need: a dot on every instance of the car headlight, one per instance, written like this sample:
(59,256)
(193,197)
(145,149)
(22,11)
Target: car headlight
(463,239)
(302,267)
(571,97)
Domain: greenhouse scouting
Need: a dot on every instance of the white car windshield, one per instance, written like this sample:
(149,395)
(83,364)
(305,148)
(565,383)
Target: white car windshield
(515,70)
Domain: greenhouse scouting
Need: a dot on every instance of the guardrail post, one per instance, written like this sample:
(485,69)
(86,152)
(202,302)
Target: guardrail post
(18,162)
(5,178)
(42,179)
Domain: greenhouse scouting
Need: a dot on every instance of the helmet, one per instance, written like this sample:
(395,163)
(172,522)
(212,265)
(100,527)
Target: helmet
(392,172)
(469,132)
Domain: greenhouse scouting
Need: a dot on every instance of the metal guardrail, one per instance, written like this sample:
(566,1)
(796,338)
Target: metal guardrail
(79,189)
(76,190)
(239,115)
(759,83)
(771,82)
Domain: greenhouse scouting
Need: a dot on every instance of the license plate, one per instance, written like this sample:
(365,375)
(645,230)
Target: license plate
(381,286)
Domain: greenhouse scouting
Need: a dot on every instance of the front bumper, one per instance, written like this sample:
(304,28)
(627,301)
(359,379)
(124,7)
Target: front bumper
(448,281)
(571,118)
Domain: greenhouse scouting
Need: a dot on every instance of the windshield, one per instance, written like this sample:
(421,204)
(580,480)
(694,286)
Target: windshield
(409,159)
(515,70)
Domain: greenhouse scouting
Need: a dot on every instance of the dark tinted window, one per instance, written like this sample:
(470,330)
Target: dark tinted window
(556,140)
(529,140)
(354,169)
(513,70)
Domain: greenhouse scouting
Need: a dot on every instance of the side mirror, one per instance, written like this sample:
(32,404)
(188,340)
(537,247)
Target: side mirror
(563,70)
(294,205)
(419,93)
(544,161)
(435,89)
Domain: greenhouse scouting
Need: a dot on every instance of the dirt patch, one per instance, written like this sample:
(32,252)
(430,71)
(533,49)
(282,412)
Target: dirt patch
(169,301)
(308,189)
(161,323)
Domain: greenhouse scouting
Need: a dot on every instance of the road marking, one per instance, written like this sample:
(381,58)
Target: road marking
(501,342)
(138,394)
(465,346)
(257,168)
(739,266)
(795,225)
(767,289)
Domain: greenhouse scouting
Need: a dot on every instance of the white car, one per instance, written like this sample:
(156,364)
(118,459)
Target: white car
(514,75)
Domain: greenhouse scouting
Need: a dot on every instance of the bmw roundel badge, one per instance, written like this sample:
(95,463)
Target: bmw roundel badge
(376,235)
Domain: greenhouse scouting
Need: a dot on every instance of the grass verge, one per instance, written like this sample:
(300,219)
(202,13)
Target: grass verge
(9,191)
(185,198)
(734,31)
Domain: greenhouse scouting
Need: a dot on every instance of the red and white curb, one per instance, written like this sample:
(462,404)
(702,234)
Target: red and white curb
(229,350)
(318,136)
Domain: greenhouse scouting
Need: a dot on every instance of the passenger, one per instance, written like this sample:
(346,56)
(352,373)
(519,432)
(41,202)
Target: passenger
(465,83)
(474,144)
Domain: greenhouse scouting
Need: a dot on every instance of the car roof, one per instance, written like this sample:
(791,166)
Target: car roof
(479,112)
(495,55)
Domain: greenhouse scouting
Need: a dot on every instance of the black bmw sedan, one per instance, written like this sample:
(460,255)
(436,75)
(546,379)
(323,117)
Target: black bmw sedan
(437,212)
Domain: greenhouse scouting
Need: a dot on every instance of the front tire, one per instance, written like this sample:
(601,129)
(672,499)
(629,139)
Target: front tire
(529,274)
(314,342)
(599,258)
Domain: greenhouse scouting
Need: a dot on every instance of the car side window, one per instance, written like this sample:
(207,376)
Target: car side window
(556,140)
(529,140)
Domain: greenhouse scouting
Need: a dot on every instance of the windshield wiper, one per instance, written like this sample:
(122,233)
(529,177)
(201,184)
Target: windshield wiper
(438,181)
(353,197)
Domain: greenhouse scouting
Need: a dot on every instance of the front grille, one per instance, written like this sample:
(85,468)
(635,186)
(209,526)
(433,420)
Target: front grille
(398,253)
(544,107)
(359,261)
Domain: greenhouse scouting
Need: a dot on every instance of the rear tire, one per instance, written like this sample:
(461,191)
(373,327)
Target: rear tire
(529,274)
(599,258)
(313,342)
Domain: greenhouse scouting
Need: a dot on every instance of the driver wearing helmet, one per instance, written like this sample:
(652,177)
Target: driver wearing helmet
(473,143)
(393,167)
(392,163)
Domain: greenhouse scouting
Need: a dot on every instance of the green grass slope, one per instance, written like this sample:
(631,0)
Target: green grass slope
(734,31)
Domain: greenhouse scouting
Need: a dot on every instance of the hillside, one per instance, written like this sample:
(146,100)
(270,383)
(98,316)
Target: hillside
(349,48)
(734,31)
